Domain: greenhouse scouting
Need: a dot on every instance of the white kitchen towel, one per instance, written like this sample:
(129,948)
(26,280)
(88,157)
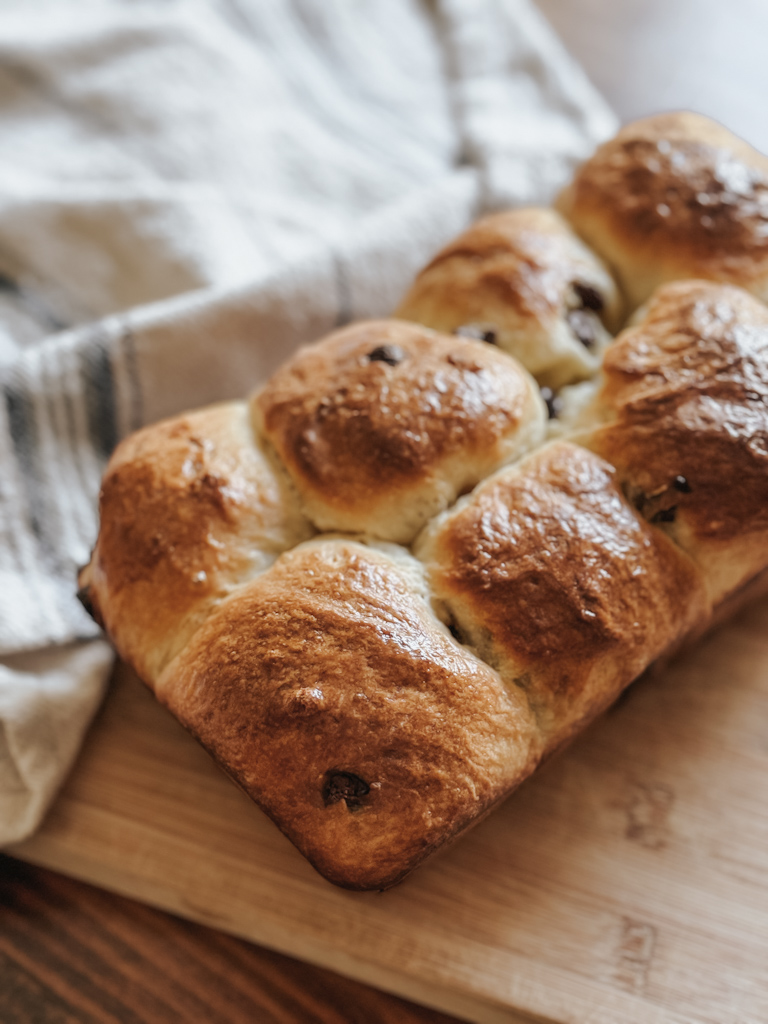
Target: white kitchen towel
(189,189)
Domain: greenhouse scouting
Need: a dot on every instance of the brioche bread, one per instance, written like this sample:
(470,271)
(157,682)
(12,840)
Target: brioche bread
(361,727)
(524,279)
(382,425)
(374,699)
(189,507)
(671,197)
(685,403)
(553,578)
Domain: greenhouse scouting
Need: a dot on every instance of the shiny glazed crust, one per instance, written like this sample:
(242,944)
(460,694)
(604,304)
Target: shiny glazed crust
(524,276)
(382,425)
(189,507)
(685,396)
(674,196)
(377,701)
(560,585)
(336,699)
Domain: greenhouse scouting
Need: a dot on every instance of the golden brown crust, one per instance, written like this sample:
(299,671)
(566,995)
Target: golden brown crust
(674,196)
(560,585)
(337,700)
(686,393)
(322,680)
(189,507)
(525,276)
(382,424)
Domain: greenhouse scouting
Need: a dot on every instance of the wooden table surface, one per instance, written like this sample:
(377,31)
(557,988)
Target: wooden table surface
(72,954)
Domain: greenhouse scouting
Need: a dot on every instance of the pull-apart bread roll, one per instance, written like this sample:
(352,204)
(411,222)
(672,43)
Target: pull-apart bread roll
(674,196)
(522,280)
(559,584)
(189,507)
(332,694)
(685,405)
(376,701)
(383,424)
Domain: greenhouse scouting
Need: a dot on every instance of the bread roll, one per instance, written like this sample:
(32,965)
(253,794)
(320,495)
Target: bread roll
(685,405)
(556,582)
(189,508)
(329,690)
(382,425)
(525,280)
(671,197)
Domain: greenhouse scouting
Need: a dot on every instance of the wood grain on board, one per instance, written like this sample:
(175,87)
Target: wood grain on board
(627,881)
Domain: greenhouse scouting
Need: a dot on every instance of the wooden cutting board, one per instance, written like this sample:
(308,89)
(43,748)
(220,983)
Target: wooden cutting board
(627,882)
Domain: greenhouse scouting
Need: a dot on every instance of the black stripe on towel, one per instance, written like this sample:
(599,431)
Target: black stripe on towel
(99,391)
(24,437)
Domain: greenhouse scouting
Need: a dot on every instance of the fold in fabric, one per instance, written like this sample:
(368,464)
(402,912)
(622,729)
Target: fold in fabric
(46,701)
(192,189)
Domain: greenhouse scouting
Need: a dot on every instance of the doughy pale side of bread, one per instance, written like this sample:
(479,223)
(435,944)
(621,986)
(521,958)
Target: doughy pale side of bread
(376,701)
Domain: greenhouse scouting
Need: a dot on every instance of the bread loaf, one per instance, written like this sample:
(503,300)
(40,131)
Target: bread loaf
(378,594)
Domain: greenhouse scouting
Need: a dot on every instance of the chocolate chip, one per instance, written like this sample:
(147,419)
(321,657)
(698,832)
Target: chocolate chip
(391,354)
(553,403)
(665,515)
(344,786)
(479,332)
(590,297)
(582,324)
(681,484)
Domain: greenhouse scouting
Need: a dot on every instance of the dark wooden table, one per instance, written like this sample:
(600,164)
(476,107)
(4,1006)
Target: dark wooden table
(71,954)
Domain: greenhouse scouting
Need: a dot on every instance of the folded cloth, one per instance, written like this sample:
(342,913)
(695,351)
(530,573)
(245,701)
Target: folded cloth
(189,190)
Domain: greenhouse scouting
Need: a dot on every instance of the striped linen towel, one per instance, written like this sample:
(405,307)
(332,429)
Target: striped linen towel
(189,190)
